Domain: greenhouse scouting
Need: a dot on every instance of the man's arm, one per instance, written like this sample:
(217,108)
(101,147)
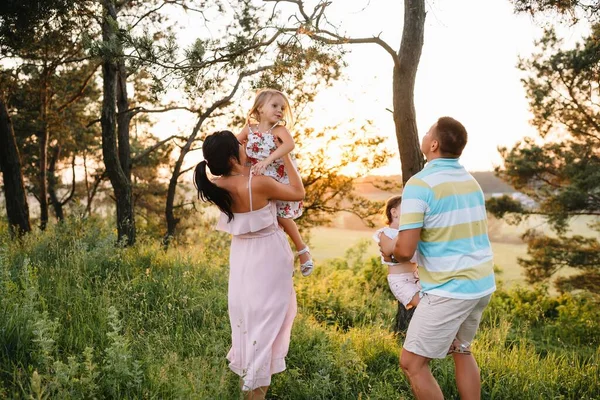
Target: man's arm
(415,198)
(406,244)
(403,247)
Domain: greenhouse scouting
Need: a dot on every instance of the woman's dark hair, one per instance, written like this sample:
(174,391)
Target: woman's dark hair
(391,203)
(217,149)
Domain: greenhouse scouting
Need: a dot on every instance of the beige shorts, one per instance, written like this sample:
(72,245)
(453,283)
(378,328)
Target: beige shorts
(404,286)
(438,321)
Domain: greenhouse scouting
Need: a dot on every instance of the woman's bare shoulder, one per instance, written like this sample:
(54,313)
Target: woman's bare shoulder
(262,183)
(262,180)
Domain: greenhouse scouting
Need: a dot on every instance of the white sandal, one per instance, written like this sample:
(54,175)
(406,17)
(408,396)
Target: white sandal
(307,268)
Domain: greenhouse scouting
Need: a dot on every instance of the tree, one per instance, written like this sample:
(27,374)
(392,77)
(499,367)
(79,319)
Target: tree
(17,208)
(134,44)
(124,49)
(329,190)
(562,174)
(71,105)
(115,126)
(405,62)
(253,54)
(571,9)
(43,36)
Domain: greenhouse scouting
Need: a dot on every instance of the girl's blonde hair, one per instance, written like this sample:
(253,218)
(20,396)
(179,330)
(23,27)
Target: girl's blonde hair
(262,97)
(390,204)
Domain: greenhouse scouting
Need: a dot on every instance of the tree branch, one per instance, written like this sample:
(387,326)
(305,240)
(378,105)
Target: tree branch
(147,14)
(137,110)
(68,198)
(81,89)
(186,170)
(343,40)
(334,38)
(151,149)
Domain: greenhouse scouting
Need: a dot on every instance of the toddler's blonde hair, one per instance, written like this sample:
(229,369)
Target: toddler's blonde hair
(262,97)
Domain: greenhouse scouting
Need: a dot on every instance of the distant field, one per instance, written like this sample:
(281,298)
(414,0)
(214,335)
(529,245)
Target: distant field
(348,231)
(329,243)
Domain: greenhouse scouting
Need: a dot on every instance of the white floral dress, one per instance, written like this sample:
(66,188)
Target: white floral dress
(260,145)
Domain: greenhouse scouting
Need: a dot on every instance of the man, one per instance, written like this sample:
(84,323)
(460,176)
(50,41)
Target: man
(443,218)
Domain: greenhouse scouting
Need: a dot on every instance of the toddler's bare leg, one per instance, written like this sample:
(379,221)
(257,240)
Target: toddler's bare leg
(306,263)
(290,227)
(414,302)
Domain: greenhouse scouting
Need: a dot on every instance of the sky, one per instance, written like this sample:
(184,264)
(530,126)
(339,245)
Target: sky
(467,71)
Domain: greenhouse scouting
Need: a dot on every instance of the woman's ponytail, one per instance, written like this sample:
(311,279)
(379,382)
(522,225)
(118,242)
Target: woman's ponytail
(208,191)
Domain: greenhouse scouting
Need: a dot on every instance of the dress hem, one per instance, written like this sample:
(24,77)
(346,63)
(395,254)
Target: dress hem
(277,366)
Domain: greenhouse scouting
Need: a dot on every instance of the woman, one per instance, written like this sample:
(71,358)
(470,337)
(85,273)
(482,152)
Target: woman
(262,301)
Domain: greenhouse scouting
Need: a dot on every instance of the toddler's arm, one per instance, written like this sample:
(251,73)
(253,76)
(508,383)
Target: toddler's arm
(242,137)
(386,245)
(285,146)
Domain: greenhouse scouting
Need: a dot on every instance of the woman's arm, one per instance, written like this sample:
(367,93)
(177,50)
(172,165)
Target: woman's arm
(274,190)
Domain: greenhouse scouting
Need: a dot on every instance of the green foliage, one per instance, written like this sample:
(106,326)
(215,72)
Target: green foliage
(548,255)
(348,293)
(81,319)
(569,322)
(506,207)
(329,188)
(562,174)
(571,10)
(21,21)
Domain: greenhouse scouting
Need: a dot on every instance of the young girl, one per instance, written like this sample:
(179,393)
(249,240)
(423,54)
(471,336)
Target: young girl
(403,278)
(266,143)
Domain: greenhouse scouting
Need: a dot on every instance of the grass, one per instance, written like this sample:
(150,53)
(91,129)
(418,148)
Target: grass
(83,319)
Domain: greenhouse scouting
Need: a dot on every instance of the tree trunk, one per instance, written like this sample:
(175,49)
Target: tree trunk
(123,120)
(172,221)
(118,178)
(404,86)
(53,182)
(17,209)
(405,73)
(43,136)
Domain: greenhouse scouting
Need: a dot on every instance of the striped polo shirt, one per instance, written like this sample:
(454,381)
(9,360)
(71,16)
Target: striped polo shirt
(454,254)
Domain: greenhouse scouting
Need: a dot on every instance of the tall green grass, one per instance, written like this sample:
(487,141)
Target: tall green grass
(83,318)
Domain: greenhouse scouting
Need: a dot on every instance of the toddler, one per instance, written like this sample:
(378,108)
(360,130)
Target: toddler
(266,142)
(403,278)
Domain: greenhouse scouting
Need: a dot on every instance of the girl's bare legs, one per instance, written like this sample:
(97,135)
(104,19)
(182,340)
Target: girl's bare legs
(414,302)
(290,227)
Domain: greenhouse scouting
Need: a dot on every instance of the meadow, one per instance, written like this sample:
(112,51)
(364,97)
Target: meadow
(83,319)
(347,230)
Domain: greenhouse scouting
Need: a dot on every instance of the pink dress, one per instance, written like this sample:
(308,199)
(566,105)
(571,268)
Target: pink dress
(262,300)
(260,145)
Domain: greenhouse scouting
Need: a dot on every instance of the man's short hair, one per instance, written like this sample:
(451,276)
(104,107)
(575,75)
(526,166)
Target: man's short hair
(452,136)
